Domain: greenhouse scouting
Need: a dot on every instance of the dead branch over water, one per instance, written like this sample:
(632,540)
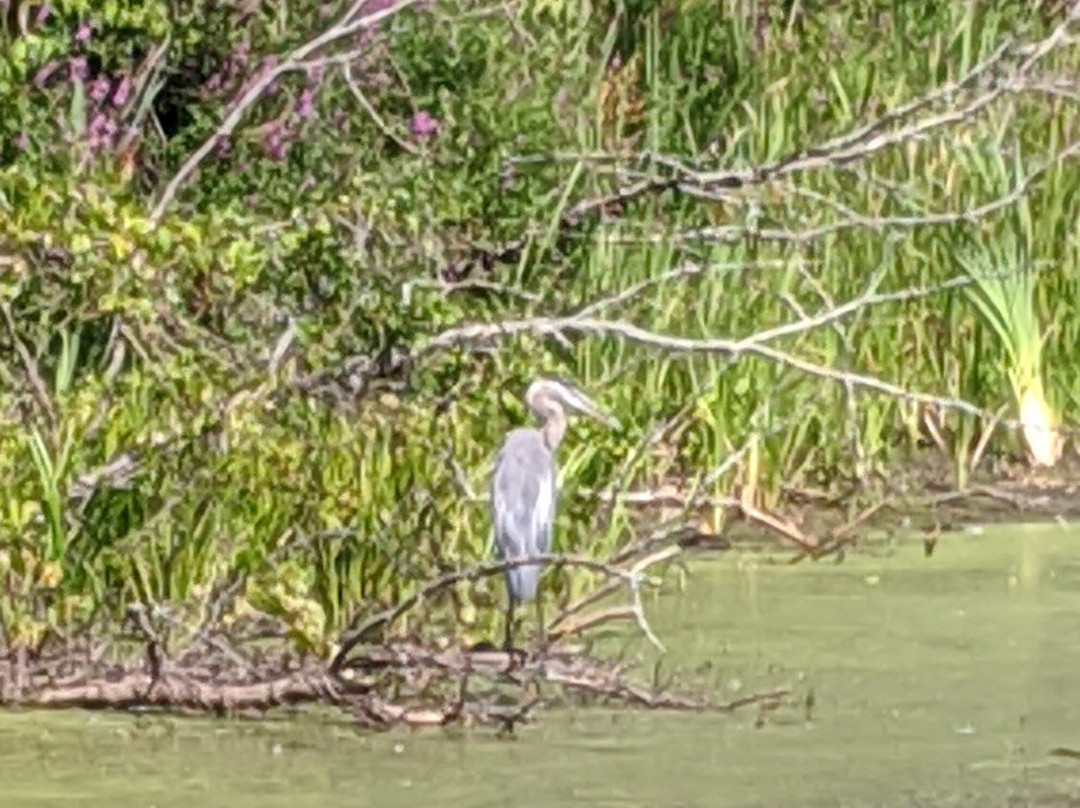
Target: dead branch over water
(378,679)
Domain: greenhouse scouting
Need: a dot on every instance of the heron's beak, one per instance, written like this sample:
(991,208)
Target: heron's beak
(609,420)
(585,406)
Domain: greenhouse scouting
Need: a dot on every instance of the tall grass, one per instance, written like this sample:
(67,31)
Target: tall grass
(325,512)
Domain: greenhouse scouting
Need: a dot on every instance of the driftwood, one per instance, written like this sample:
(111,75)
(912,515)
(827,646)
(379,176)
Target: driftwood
(378,679)
(434,688)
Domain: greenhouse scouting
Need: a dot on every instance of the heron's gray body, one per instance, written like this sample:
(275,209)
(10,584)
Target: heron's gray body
(523,493)
(524,489)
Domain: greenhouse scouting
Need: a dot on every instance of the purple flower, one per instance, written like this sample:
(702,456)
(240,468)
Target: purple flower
(222,147)
(378,81)
(423,125)
(274,144)
(43,13)
(98,124)
(315,74)
(78,68)
(44,72)
(99,89)
(268,66)
(242,52)
(22,142)
(101,131)
(122,92)
(306,107)
(82,34)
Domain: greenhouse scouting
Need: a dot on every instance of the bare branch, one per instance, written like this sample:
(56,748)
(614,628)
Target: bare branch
(350,23)
(633,577)
(466,335)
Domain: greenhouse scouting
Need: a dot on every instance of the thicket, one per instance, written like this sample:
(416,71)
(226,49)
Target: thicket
(268,306)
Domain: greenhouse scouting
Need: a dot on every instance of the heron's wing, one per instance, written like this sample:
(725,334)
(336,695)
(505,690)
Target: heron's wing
(523,496)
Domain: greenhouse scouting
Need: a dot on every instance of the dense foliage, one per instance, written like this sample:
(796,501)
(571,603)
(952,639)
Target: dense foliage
(236,390)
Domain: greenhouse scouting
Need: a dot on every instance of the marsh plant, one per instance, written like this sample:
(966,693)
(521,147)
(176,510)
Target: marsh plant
(244,277)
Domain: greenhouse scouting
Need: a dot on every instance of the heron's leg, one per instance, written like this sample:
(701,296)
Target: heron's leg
(541,633)
(508,639)
(541,643)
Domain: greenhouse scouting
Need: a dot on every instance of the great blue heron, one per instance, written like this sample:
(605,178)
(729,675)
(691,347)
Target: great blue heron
(524,487)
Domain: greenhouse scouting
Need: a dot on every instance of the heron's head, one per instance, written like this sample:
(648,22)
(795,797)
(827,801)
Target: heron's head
(546,397)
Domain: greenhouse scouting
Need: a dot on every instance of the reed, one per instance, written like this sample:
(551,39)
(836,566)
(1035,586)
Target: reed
(311,489)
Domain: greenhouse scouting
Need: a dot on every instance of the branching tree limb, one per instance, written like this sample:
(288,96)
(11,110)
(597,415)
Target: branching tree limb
(351,22)
(434,685)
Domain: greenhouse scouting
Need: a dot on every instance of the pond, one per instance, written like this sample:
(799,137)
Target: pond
(941,680)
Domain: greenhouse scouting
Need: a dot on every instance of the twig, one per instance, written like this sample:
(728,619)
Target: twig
(782,527)
(37,384)
(358,633)
(361,99)
(589,621)
(636,576)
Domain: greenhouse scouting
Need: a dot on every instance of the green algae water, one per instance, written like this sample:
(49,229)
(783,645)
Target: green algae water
(942,680)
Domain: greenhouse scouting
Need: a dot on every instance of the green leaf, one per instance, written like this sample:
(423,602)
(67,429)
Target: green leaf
(77,115)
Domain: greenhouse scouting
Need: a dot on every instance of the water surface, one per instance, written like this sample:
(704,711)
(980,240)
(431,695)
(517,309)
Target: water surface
(937,681)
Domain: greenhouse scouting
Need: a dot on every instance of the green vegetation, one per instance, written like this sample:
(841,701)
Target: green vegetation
(253,369)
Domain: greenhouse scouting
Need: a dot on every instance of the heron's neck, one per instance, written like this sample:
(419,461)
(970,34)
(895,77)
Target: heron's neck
(554,428)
